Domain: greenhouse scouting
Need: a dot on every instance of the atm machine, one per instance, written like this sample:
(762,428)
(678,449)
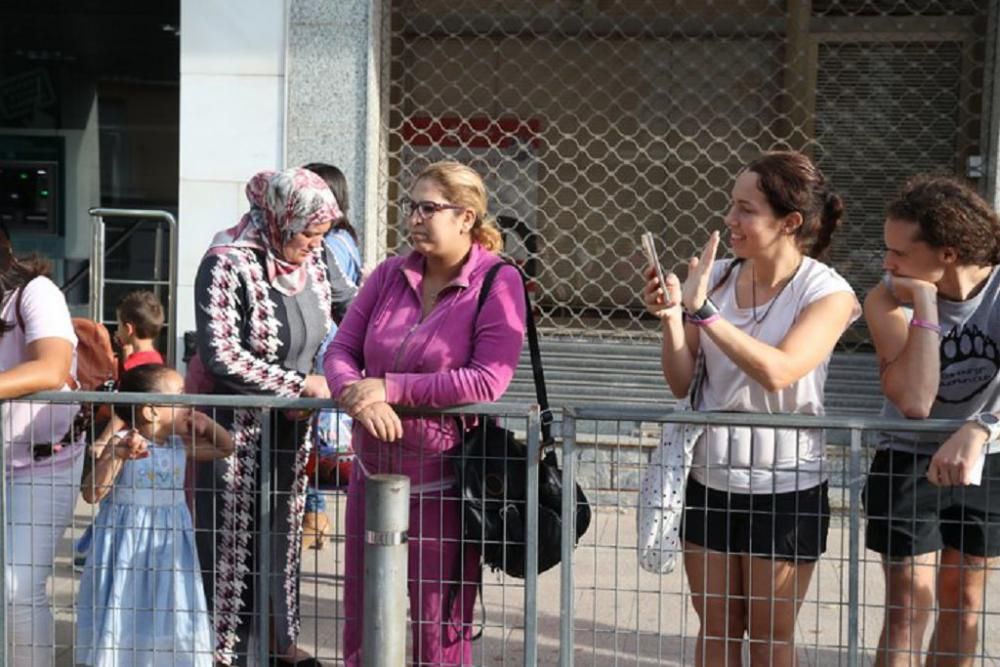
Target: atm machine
(30,197)
(34,197)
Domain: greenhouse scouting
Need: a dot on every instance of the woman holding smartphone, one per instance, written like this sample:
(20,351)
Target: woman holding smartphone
(756,508)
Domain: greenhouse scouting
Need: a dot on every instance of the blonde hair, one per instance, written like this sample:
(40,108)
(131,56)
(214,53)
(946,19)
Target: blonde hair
(463,186)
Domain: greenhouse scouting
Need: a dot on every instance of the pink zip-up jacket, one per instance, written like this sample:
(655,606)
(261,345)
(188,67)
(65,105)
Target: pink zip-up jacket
(450,358)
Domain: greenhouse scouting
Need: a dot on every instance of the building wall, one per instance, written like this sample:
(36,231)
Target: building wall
(231,120)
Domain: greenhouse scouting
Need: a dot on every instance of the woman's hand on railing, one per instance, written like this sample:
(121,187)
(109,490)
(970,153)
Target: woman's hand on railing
(695,288)
(381,421)
(359,395)
(315,387)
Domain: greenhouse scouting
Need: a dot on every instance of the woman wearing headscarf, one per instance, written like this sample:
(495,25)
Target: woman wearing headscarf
(266,294)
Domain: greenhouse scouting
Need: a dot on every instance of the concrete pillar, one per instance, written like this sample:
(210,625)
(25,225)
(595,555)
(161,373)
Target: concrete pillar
(334,100)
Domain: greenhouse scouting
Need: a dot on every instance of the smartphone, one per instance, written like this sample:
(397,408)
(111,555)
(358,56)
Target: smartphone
(652,257)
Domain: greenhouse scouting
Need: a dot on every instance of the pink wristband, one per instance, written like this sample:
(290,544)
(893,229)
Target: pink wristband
(706,321)
(924,324)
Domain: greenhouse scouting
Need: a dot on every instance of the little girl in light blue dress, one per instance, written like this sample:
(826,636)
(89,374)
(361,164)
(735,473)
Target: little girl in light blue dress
(141,600)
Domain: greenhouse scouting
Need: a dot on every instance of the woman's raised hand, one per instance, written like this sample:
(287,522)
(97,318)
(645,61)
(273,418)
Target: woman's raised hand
(694,292)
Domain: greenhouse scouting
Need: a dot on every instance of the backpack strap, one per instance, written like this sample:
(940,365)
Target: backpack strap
(19,317)
(541,394)
(18,311)
(44,450)
(17,308)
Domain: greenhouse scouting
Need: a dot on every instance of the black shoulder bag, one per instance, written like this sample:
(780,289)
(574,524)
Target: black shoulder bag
(492,472)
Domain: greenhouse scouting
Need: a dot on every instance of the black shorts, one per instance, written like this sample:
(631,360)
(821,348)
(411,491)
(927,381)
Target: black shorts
(909,516)
(780,526)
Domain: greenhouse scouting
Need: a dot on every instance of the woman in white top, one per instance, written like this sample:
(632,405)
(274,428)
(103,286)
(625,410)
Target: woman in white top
(756,509)
(37,353)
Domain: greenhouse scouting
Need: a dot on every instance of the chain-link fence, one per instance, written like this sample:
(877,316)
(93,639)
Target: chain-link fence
(594,120)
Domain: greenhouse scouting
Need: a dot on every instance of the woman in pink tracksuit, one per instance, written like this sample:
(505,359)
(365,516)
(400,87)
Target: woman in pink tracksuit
(412,338)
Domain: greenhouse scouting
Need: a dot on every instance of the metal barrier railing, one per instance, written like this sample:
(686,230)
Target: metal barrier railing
(842,609)
(98,257)
(603,609)
(322,617)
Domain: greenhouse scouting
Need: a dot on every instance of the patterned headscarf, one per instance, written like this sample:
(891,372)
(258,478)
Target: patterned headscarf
(282,204)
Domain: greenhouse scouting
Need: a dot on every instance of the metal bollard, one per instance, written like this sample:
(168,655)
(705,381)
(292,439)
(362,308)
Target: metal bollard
(387,520)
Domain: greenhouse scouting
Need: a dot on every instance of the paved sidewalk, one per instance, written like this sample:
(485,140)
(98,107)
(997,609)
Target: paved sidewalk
(623,616)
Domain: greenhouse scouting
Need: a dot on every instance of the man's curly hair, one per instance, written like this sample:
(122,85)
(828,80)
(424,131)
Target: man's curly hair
(950,214)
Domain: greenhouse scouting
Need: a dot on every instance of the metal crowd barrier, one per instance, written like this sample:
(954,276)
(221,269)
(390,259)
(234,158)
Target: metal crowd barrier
(597,607)
(612,612)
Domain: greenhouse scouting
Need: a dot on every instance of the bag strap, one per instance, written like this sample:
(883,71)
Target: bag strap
(17,308)
(541,394)
(70,380)
(697,381)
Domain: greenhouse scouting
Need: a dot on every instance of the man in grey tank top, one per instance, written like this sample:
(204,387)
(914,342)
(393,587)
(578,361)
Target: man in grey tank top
(935,322)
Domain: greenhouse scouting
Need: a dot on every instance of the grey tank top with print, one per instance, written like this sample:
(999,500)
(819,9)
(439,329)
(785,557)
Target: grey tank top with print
(970,360)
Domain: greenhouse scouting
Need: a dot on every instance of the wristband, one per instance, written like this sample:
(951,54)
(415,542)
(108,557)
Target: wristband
(705,322)
(707,311)
(924,324)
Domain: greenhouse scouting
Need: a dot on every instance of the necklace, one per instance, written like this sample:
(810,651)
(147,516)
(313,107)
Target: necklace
(774,299)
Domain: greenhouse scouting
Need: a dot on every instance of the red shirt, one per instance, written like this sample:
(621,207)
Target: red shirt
(142,358)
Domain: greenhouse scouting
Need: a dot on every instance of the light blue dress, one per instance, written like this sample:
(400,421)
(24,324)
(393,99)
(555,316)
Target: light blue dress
(141,599)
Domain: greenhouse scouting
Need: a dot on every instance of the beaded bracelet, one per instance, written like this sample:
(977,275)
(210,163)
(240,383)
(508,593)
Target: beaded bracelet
(924,324)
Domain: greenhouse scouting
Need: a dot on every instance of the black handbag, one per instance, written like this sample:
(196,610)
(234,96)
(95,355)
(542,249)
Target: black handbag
(492,471)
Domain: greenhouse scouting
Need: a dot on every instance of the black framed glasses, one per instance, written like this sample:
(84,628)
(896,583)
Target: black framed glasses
(426,208)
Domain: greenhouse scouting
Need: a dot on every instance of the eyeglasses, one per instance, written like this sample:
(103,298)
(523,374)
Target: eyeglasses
(425,209)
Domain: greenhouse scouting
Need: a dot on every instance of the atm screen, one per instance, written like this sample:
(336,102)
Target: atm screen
(29,196)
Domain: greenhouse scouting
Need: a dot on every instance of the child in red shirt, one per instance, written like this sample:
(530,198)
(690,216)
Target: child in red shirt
(140,320)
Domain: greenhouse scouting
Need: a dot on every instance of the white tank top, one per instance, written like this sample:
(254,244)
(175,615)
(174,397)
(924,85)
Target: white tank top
(744,459)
